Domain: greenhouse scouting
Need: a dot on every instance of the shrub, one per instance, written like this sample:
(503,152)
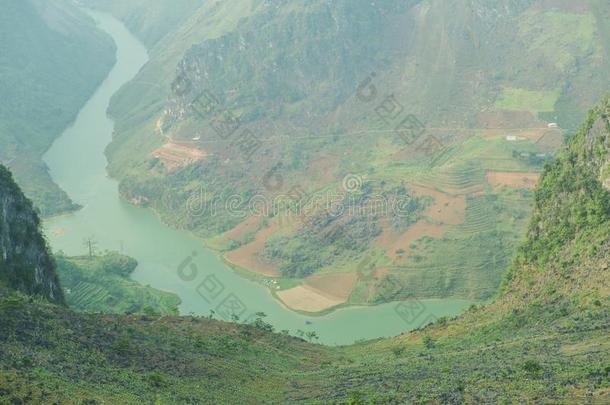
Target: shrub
(428,342)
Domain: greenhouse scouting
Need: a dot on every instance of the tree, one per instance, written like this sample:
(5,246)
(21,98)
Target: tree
(259,322)
(90,244)
(428,342)
(398,350)
(532,367)
(311,336)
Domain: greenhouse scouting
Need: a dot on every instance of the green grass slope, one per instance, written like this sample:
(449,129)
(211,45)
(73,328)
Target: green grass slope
(543,340)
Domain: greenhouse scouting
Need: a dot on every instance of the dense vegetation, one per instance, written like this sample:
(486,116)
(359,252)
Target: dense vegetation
(544,339)
(582,216)
(327,238)
(52,58)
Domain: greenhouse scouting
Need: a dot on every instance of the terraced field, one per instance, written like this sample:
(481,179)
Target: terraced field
(102,284)
(478,198)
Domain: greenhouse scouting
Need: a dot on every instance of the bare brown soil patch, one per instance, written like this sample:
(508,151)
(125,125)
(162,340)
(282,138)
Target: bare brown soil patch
(305,298)
(249,256)
(526,180)
(447,209)
(394,241)
(242,229)
(338,285)
(176,155)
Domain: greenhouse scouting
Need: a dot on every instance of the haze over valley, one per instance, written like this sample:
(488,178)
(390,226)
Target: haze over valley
(252,201)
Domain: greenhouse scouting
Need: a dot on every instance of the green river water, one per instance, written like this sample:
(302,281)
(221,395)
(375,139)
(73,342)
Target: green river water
(77,163)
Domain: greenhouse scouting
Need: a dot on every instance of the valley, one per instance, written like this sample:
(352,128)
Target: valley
(543,339)
(49,70)
(305,201)
(202,143)
(470,203)
(119,226)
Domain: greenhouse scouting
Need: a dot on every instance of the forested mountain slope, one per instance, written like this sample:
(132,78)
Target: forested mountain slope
(51,59)
(250,100)
(543,340)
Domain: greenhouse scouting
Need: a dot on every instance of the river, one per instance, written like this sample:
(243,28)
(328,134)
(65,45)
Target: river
(78,164)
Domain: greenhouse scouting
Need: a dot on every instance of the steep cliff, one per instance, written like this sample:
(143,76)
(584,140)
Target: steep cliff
(25,261)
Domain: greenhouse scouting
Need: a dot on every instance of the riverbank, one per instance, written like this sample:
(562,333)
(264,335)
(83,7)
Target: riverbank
(78,164)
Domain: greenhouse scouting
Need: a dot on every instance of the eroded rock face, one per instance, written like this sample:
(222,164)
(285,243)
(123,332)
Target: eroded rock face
(25,262)
(597,143)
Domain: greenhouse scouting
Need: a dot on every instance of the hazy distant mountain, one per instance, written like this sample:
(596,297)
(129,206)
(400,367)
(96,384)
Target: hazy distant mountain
(51,60)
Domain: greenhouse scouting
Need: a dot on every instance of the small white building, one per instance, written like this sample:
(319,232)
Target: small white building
(553,125)
(511,138)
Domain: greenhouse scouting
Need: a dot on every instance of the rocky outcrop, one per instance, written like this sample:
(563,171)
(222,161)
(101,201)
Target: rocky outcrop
(25,262)
(597,142)
(567,248)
